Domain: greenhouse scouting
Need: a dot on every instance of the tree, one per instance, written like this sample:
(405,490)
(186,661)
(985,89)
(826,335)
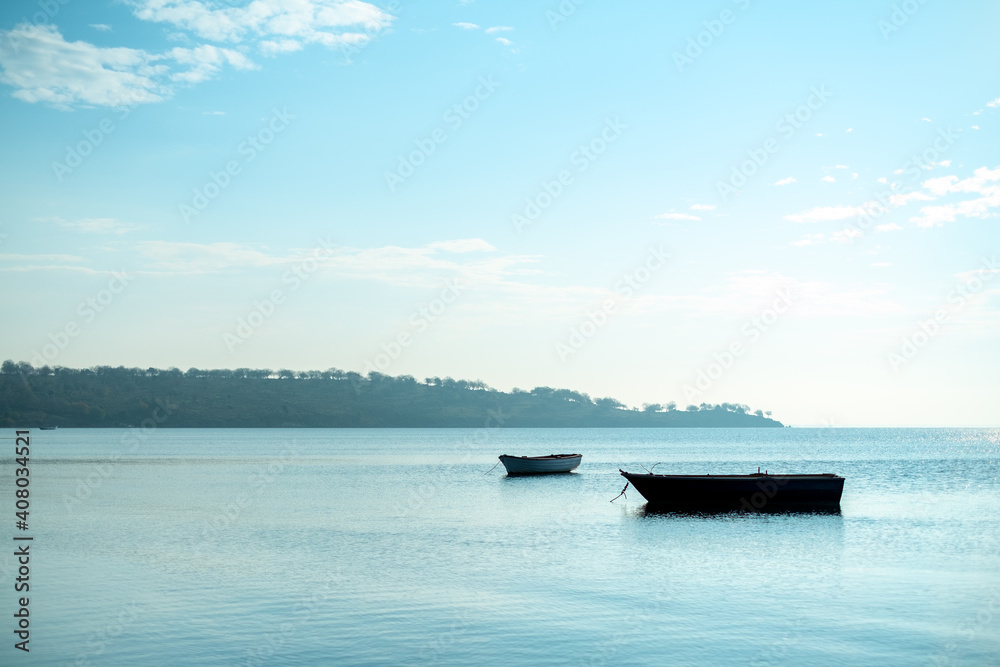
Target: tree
(651,407)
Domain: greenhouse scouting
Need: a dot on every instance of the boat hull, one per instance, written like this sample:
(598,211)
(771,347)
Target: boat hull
(757,492)
(540,465)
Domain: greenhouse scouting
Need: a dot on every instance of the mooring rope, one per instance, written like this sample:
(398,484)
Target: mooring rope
(492,469)
(621,494)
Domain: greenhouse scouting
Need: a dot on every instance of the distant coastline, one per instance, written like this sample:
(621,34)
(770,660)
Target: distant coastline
(104,396)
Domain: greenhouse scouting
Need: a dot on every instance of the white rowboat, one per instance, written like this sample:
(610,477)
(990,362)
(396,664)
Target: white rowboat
(540,465)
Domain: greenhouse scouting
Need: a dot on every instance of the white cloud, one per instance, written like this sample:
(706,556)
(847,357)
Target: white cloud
(846,235)
(828,179)
(44,67)
(786,181)
(327,22)
(810,239)
(702,207)
(424,266)
(466,26)
(92,225)
(850,129)
(204,62)
(271,47)
(462,245)
(827,213)
(504,41)
(498,28)
(982,182)
(926,120)
(103,27)
(677,216)
(995,103)
(904,199)
(889,227)
(840,166)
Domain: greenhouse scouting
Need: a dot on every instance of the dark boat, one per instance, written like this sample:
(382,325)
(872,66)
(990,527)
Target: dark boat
(758,491)
(47,428)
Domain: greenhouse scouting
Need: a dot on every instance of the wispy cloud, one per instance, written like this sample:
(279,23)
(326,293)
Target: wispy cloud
(677,216)
(826,214)
(498,28)
(327,22)
(702,207)
(103,27)
(44,67)
(466,26)
(92,225)
(786,181)
(983,182)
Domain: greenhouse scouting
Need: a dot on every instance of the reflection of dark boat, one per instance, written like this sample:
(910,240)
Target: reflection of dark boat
(540,465)
(755,492)
(47,428)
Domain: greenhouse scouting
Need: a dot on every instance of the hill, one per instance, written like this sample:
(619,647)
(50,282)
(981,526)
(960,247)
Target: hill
(113,397)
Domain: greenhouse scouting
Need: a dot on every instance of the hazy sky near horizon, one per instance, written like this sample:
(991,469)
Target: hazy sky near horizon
(789,205)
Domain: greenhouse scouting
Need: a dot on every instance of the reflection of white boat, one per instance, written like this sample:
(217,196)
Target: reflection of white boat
(540,465)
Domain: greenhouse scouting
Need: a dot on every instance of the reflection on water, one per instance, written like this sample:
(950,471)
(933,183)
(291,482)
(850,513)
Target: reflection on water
(801,509)
(390,546)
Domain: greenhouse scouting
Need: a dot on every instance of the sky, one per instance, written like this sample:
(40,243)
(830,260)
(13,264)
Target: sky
(787,205)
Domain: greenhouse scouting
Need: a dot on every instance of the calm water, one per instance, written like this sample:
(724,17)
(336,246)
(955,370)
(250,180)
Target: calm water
(392,547)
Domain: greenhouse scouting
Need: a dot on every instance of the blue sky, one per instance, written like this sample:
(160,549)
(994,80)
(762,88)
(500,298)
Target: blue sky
(789,206)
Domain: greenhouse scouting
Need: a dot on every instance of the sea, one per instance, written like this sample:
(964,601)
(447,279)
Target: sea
(168,546)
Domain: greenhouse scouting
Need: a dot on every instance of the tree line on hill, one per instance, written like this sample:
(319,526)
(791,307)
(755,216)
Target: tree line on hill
(106,396)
